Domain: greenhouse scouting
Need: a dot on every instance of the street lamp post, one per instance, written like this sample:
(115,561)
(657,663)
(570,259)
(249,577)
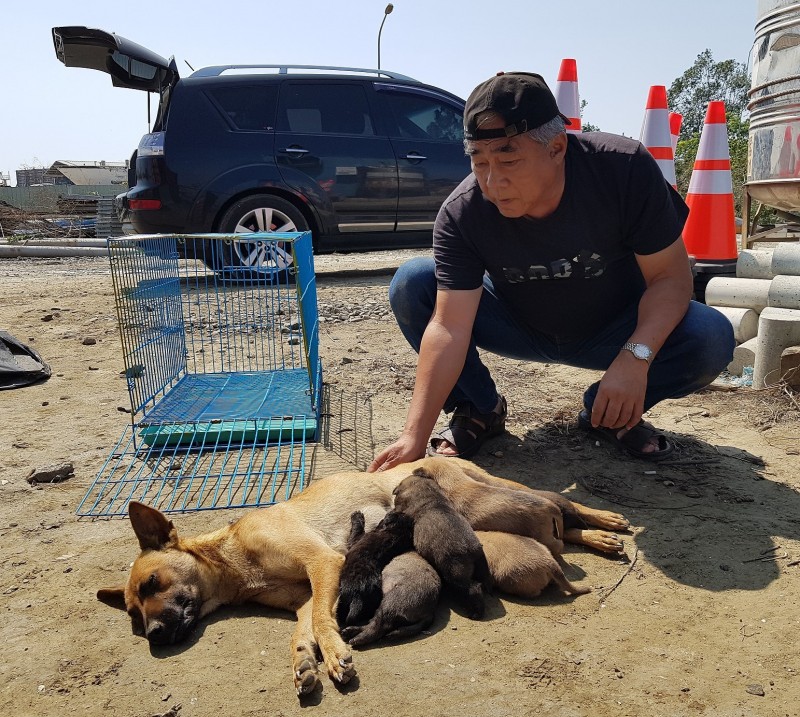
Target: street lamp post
(386,13)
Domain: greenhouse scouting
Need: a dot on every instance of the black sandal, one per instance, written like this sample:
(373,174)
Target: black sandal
(633,440)
(465,432)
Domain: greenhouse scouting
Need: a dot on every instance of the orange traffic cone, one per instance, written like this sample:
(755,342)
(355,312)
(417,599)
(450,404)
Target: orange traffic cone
(710,230)
(656,133)
(675,122)
(567,95)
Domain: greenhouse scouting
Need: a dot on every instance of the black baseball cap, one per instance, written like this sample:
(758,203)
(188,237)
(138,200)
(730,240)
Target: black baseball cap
(522,99)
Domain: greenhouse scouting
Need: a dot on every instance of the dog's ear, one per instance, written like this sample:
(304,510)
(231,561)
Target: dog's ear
(151,526)
(115,597)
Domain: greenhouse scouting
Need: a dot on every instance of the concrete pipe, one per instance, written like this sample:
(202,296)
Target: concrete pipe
(778,329)
(754,264)
(784,292)
(56,242)
(50,251)
(786,259)
(744,322)
(743,355)
(741,293)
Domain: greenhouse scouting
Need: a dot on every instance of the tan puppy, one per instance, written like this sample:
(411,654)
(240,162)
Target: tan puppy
(523,566)
(290,555)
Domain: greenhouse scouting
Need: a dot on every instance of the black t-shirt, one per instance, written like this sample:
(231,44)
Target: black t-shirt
(571,273)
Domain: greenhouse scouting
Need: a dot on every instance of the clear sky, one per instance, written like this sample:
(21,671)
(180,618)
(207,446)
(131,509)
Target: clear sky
(49,112)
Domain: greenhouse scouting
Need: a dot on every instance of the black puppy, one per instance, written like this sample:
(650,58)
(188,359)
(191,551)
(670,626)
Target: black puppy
(360,590)
(410,593)
(445,539)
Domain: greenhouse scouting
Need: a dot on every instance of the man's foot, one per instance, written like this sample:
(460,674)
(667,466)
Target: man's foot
(468,429)
(642,441)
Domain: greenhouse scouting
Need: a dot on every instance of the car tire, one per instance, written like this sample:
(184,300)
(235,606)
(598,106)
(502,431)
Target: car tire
(246,261)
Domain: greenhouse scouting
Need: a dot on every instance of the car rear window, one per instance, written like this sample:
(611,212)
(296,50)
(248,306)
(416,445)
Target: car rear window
(311,108)
(247,107)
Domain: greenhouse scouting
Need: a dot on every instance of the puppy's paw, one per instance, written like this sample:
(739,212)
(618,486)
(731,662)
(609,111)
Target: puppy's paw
(351,632)
(306,676)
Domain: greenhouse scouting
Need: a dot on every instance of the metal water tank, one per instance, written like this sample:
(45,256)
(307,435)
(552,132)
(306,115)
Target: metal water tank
(773,162)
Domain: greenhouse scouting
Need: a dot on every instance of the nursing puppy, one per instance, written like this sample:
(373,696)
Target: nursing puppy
(360,589)
(535,514)
(523,566)
(411,590)
(445,539)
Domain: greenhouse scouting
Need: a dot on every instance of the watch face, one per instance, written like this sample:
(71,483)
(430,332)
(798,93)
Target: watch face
(641,352)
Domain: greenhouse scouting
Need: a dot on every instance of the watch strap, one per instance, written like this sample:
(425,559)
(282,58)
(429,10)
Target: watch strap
(632,347)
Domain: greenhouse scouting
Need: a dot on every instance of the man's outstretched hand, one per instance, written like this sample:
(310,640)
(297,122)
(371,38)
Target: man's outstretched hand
(403,450)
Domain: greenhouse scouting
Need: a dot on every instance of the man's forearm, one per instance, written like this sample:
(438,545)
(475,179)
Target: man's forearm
(661,308)
(441,359)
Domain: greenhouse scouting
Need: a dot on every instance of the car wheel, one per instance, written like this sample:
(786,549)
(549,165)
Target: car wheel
(245,260)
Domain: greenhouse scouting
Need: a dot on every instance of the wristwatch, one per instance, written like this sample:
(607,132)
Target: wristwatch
(641,351)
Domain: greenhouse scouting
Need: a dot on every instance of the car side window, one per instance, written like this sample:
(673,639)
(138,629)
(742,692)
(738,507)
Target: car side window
(422,117)
(248,107)
(310,108)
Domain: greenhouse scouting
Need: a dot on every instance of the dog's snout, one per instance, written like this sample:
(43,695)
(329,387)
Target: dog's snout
(157,633)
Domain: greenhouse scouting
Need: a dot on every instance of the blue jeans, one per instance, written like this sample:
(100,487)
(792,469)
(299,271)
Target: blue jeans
(695,353)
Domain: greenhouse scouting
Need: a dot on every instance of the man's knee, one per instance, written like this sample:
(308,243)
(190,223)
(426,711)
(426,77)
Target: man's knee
(711,337)
(413,286)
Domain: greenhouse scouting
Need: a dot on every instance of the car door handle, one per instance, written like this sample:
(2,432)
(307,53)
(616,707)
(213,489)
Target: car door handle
(415,156)
(295,150)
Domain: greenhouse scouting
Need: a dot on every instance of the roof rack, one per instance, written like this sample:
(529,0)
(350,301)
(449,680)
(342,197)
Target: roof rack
(217,70)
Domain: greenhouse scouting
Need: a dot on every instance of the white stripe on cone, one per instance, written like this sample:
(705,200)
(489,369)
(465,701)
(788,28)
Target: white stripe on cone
(569,104)
(714,142)
(710,181)
(653,134)
(667,167)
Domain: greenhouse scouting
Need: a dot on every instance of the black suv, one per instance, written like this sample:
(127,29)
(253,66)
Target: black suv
(362,158)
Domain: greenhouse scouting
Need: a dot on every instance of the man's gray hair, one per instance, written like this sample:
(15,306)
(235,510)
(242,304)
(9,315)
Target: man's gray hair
(542,134)
(548,131)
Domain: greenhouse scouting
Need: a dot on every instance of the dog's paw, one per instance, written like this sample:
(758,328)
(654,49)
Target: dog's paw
(340,664)
(306,676)
(602,540)
(611,521)
(345,670)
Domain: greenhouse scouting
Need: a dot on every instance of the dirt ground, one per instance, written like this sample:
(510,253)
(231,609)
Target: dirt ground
(699,617)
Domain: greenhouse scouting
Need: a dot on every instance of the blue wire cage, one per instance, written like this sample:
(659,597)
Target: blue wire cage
(220,341)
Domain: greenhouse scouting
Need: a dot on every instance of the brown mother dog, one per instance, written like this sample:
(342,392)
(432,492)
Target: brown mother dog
(289,555)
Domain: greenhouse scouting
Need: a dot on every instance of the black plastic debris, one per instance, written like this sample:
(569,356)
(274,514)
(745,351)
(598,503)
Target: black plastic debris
(20,365)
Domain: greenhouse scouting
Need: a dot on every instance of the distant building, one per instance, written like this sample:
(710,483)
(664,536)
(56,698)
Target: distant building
(4,179)
(64,172)
(35,177)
